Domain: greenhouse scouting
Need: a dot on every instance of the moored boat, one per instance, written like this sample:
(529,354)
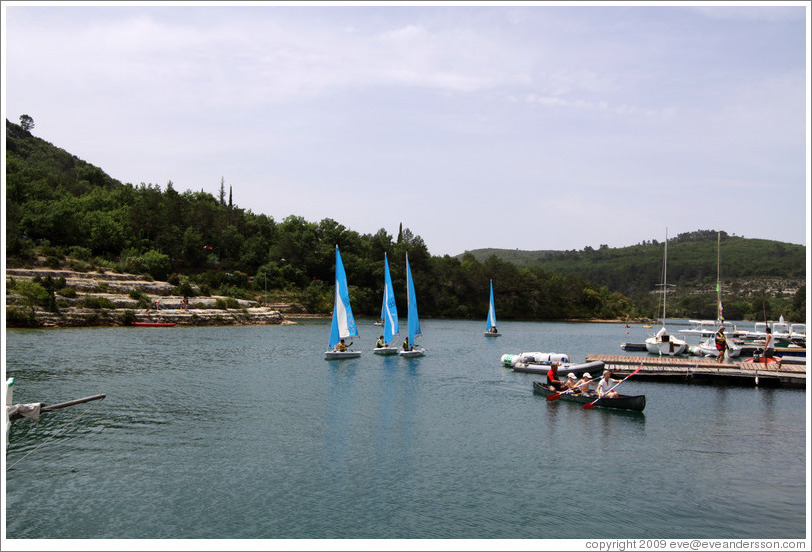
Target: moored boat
(622,402)
(511,360)
(762,363)
(155,324)
(594,367)
(663,343)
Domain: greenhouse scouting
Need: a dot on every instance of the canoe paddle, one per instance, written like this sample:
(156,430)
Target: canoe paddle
(587,406)
(556,395)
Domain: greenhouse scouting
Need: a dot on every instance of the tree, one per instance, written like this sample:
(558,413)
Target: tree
(26,122)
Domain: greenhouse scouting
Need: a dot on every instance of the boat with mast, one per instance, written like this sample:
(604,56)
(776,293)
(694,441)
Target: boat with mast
(389,313)
(664,343)
(343,321)
(409,349)
(708,347)
(490,323)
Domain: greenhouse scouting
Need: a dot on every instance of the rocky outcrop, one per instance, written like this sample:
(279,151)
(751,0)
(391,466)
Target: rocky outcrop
(112,291)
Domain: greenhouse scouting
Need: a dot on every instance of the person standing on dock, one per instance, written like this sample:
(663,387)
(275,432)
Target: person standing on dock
(721,344)
(769,344)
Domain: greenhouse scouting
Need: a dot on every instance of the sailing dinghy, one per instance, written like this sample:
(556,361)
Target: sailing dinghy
(343,321)
(490,324)
(389,313)
(409,350)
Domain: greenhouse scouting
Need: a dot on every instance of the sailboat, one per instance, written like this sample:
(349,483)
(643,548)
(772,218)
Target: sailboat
(413,321)
(708,347)
(343,321)
(664,343)
(490,324)
(389,313)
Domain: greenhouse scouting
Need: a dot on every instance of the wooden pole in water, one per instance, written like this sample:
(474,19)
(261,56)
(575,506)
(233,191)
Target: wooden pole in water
(72,403)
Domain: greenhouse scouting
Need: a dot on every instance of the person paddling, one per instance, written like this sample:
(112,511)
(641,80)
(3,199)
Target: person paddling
(552,378)
(583,385)
(606,384)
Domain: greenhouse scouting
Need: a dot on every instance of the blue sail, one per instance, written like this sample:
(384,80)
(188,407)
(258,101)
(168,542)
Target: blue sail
(491,322)
(389,310)
(414,321)
(343,321)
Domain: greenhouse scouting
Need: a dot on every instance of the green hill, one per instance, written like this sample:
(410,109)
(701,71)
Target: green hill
(73,214)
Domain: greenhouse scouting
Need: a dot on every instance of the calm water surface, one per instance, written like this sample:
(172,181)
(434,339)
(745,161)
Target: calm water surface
(246,432)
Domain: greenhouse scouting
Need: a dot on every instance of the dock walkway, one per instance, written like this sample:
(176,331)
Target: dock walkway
(700,370)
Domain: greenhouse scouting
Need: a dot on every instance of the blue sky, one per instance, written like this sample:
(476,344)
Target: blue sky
(529,126)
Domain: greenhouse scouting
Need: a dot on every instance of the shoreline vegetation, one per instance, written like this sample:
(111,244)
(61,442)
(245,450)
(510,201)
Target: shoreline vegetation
(43,297)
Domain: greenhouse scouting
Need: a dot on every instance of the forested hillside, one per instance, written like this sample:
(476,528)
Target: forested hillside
(75,214)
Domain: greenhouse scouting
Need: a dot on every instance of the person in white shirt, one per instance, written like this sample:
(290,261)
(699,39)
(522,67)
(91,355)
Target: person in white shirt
(606,384)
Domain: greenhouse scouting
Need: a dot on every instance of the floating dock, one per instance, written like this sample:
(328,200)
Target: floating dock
(701,370)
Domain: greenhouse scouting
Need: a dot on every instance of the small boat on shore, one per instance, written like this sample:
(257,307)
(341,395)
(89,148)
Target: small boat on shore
(622,402)
(155,324)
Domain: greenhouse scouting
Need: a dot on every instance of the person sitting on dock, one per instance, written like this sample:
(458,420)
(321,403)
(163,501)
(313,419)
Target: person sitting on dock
(606,384)
(552,378)
(584,383)
(721,344)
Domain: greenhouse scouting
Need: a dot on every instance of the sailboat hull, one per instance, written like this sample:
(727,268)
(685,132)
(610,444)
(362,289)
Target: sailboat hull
(671,347)
(413,353)
(336,355)
(385,350)
(492,334)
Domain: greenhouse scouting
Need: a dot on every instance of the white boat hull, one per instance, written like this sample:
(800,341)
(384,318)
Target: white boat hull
(336,355)
(412,353)
(385,350)
(671,347)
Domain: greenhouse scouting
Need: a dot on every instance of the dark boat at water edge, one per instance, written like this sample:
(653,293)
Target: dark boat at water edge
(621,402)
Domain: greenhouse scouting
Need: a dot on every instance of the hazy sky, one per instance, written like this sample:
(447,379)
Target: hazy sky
(530,126)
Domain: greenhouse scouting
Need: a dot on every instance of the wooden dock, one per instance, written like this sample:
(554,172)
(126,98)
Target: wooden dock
(701,370)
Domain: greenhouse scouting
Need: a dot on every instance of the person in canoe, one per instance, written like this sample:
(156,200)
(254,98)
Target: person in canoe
(380,343)
(606,384)
(584,383)
(552,378)
(572,384)
(721,344)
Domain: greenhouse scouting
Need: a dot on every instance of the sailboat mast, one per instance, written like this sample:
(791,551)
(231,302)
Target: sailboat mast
(719,277)
(665,274)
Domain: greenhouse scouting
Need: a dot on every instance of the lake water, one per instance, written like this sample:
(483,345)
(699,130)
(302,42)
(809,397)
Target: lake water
(248,433)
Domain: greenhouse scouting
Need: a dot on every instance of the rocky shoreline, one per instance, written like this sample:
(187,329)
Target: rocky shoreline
(113,290)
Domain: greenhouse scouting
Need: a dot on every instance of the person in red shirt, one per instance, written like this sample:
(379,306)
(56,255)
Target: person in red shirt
(552,378)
